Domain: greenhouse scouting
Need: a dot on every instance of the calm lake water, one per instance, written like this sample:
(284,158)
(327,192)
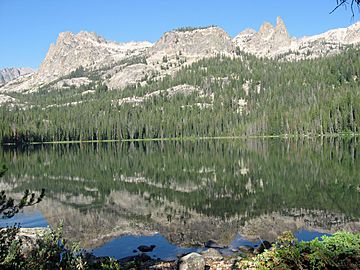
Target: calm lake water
(114,197)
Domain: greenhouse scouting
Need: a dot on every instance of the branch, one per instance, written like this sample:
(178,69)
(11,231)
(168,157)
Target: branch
(3,169)
(8,208)
(340,3)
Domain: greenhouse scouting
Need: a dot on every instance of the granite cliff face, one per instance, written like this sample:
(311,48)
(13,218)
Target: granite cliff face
(119,65)
(267,41)
(85,50)
(9,74)
(193,43)
(275,42)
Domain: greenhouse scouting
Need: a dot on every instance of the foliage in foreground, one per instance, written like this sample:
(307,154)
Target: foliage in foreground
(340,251)
(47,253)
(51,251)
(8,207)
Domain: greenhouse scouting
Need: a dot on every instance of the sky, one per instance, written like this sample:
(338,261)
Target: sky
(28,27)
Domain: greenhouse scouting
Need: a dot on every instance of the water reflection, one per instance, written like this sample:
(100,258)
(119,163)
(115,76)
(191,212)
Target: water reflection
(127,246)
(192,191)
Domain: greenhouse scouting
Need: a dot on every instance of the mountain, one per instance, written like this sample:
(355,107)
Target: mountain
(86,50)
(275,42)
(118,65)
(191,82)
(267,42)
(193,43)
(9,74)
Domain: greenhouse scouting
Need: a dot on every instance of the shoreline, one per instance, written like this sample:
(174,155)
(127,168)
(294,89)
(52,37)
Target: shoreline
(265,255)
(280,136)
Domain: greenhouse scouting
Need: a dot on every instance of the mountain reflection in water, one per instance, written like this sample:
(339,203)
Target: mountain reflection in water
(191,191)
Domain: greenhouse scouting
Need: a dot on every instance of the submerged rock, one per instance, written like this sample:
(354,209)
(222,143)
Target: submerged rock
(192,261)
(212,244)
(144,248)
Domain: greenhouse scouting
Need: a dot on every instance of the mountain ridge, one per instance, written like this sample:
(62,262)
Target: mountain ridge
(9,74)
(112,61)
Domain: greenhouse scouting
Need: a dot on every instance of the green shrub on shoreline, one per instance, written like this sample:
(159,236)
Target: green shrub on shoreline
(339,251)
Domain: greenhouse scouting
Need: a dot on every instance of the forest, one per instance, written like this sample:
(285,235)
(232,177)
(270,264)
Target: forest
(240,96)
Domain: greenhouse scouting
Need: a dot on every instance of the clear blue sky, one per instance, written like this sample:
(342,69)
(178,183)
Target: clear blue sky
(29,26)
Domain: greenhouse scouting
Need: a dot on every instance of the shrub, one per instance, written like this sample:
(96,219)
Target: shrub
(339,251)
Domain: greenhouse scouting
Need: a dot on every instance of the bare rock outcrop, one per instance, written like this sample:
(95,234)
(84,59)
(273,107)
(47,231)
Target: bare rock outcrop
(73,82)
(86,50)
(184,89)
(130,75)
(5,99)
(9,74)
(275,42)
(268,41)
(192,44)
(121,64)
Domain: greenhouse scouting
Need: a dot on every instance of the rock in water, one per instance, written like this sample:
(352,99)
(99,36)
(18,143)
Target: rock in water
(144,248)
(212,244)
(192,261)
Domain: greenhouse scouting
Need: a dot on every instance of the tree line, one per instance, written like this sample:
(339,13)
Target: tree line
(319,96)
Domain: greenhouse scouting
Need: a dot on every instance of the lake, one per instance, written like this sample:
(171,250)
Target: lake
(114,197)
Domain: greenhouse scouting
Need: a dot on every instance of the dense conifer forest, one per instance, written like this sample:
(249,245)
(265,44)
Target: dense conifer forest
(241,96)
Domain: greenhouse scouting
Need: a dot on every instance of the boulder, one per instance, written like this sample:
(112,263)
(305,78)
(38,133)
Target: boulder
(212,253)
(192,261)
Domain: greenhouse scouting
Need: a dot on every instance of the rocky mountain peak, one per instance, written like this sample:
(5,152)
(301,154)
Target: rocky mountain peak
(9,74)
(276,42)
(281,37)
(85,49)
(280,29)
(197,42)
(122,64)
(268,40)
(266,28)
(280,23)
(90,36)
(64,38)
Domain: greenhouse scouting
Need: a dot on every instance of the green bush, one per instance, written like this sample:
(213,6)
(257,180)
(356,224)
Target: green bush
(339,251)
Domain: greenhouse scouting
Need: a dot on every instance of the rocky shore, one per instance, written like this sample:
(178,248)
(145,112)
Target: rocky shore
(342,251)
(208,259)
(212,256)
